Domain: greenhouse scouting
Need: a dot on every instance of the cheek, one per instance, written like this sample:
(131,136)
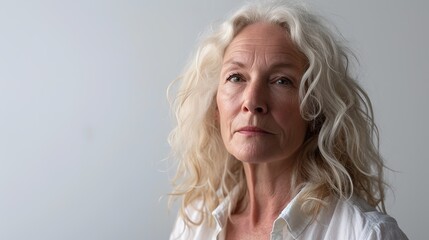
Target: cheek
(290,118)
(224,106)
(220,111)
(225,115)
(300,128)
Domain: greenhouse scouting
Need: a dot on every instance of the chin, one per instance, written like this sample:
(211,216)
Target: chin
(254,158)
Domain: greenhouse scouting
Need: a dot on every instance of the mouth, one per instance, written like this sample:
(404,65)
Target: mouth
(252,130)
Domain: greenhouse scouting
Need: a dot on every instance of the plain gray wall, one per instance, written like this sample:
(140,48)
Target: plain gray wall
(84,117)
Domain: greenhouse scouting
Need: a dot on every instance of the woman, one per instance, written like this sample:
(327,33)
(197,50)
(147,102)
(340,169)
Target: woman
(275,139)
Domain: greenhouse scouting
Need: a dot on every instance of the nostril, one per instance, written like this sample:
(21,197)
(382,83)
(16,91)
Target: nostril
(253,108)
(259,109)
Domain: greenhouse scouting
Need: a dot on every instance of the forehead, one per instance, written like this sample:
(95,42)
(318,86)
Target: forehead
(262,31)
(263,37)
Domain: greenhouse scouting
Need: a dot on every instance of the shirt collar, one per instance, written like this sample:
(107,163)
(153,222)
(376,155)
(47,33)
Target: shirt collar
(296,220)
(220,213)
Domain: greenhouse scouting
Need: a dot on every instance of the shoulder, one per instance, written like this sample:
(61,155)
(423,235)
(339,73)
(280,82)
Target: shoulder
(202,229)
(184,230)
(208,224)
(364,221)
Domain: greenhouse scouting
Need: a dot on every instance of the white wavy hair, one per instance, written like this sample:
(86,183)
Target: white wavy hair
(340,154)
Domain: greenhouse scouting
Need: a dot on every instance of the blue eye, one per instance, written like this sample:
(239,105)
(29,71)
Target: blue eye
(235,77)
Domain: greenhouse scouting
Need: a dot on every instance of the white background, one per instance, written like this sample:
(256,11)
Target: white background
(84,117)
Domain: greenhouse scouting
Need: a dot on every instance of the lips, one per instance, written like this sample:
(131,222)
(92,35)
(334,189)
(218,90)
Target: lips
(252,130)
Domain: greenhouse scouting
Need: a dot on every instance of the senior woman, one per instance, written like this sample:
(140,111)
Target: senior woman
(275,139)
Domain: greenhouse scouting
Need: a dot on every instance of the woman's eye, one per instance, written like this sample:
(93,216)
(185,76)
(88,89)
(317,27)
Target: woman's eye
(283,81)
(234,78)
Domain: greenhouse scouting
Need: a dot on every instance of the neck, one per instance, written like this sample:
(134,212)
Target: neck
(269,191)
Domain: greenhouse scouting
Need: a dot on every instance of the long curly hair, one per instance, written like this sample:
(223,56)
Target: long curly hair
(340,155)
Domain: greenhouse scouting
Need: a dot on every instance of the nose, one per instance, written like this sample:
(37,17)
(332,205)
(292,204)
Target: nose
(255,99)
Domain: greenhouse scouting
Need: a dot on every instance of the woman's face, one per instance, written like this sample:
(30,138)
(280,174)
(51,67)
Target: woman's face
(257,97)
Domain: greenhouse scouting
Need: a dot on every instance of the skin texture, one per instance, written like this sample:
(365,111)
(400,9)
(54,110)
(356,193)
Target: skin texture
(260,121)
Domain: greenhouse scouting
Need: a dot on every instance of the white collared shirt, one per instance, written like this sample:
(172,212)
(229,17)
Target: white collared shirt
(351,219)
